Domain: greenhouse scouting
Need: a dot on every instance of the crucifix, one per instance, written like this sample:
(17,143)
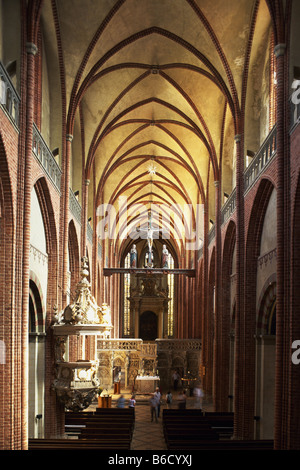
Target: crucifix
(150,232)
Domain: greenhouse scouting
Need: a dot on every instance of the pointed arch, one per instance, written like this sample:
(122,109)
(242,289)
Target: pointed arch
(74,257)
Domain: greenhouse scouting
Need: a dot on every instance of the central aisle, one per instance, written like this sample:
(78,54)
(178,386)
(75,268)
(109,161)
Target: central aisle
(147,435)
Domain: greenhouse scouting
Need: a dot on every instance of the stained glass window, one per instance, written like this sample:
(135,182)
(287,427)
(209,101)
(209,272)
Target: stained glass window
(126,317)
(171,295)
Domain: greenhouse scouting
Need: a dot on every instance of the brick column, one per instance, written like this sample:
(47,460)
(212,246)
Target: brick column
(65,221)
(31,50)
(282,359)
(204,327)
(239,321)
(217,389)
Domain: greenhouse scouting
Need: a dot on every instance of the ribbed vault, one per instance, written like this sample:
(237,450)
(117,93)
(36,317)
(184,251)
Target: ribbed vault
(152,93)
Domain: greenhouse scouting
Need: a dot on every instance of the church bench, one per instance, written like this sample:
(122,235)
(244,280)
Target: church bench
(249,445)
(109,424)
(80,421)
(199,419)
(76,430)
(78,414)
(215,423)
(99,431)
(103,421)
(211,421)
(103,437)
(99,419)
(115,411)
(191,412)
(219,433)
(184,411)
(187,422)
(77,444)
(186,435)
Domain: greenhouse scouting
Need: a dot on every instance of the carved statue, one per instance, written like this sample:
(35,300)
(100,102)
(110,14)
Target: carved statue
(133,257)
(106,316)
(60,349)
(164,257)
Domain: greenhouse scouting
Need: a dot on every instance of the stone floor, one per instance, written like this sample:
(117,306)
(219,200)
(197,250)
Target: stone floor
(149,435)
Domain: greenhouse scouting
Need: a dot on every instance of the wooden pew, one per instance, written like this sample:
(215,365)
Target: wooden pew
(196,445)
(77,444)
(75,421)
(186,430)
(122,411)
(187,422)
(94,431)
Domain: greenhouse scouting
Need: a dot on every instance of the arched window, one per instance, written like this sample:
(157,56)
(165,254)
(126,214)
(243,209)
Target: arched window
(171,295)
(272,319)
(35,308)
(126,317)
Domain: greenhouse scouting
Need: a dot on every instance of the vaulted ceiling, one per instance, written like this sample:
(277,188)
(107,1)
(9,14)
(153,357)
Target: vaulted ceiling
(152,84)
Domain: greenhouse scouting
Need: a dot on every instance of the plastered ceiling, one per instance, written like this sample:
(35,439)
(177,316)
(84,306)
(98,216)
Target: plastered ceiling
(152,82)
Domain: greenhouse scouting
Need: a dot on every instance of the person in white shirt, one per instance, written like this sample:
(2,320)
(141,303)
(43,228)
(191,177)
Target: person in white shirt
(176,378)
(153,407)
(157,394)
(132,402)
(198,394)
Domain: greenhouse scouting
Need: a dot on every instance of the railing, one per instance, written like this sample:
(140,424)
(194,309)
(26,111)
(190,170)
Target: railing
(148,348)
(265,155)
(45,157)
(178,344)
(89,233)
(119,344)
(10,102)
(294,112)
(211,234)
(38,255)
(9,98)
(229,207)
(74,206)
(261,159)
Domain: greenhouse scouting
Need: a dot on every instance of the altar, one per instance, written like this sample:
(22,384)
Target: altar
(147,383)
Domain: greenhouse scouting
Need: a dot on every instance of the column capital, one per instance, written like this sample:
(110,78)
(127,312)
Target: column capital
(31,48)
(216,183)
(86,182)
(237,138)
(69,137)
(279,50)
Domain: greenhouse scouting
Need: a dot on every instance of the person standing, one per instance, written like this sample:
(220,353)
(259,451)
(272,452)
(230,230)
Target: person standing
(157,394)
(182,400)
(198,394)
(153,407)
(121,402)
(176,378)
(169,399)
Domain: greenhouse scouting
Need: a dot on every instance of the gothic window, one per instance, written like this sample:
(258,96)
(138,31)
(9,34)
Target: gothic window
(126,317)
(171,295)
